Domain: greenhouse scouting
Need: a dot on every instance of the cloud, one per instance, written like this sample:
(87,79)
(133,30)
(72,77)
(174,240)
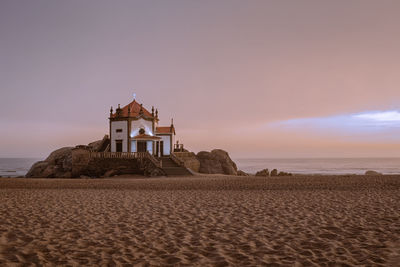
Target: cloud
(373,125)
(380,116)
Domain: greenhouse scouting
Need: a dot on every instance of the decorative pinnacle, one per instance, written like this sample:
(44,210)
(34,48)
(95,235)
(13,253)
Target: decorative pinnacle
(141,109)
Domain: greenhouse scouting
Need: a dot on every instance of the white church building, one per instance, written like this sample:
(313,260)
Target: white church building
(134,129)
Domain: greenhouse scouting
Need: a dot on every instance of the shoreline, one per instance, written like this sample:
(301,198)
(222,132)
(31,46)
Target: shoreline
(250,175)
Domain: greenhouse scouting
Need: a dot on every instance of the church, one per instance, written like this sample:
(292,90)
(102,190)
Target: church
(134,129)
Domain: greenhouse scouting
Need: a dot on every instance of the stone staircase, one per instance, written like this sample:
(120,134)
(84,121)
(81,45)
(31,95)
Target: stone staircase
(173,169)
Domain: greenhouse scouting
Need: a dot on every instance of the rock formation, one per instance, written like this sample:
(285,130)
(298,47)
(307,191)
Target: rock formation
(264,172)
(242,173)
(372,173)
(284,174)
(57,164)
(216,162)
(68,162)
(274,172)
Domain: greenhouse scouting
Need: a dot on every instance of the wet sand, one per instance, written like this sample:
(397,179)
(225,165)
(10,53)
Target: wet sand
(201,221)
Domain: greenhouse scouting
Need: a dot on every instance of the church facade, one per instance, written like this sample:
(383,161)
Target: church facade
(134,129)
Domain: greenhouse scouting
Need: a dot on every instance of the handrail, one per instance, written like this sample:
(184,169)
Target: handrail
(177,160)
(154,160)
(107,148)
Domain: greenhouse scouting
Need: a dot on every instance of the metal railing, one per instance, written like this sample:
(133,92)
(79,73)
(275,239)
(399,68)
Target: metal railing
(117,155)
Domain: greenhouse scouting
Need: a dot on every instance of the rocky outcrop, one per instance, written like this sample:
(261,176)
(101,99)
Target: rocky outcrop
(242,173)
(372,173)
(274,172)
(264,172)
(70,162)
(216,162)
(284,174)
(57,164)
(99,145)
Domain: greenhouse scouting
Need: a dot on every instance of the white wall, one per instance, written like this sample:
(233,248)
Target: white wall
(119,136)
(141,123)
(150,147)
(167,143)
(133,146)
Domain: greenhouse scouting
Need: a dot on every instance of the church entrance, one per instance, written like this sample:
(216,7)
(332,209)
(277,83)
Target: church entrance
(141,146)
(118,145)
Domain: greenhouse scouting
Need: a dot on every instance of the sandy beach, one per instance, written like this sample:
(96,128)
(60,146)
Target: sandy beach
(213,220)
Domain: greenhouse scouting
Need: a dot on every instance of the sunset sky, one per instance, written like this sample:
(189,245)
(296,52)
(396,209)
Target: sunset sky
(256,78)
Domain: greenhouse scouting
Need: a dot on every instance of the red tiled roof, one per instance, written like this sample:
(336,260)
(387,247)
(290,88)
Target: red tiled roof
(135,109)
(145,137)
(164,129)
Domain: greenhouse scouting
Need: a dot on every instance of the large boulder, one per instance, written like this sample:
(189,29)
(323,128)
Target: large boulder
(372,173)
(264,172)
(216,162)
(37,169)
(274,172)
(57,164)
(284,173)
(96,145)
(99,145)
(242,173)
(57,156)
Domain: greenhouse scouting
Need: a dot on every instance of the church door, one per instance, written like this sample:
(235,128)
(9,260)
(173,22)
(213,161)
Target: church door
(141,146)
(118,144)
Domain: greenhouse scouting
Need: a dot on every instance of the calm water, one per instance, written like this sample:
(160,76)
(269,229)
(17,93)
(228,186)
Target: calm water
(13,167)
(322,165)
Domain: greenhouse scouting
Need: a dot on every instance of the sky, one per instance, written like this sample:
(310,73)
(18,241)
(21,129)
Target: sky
(257,78)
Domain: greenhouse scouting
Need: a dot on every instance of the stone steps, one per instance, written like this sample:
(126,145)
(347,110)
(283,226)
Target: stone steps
(173,169)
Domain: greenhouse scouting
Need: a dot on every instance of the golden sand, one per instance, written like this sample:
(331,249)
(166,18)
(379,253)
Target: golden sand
(201,221)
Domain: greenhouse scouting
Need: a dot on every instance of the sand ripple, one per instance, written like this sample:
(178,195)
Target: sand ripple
(201,221)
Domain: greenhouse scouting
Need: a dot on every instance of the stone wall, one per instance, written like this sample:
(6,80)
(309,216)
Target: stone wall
(98,167)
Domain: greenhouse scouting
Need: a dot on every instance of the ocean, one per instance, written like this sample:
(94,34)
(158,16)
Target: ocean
(14,167)
(322,165)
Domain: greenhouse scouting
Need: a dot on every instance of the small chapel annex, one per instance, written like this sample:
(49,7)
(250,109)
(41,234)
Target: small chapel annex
(134,129)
